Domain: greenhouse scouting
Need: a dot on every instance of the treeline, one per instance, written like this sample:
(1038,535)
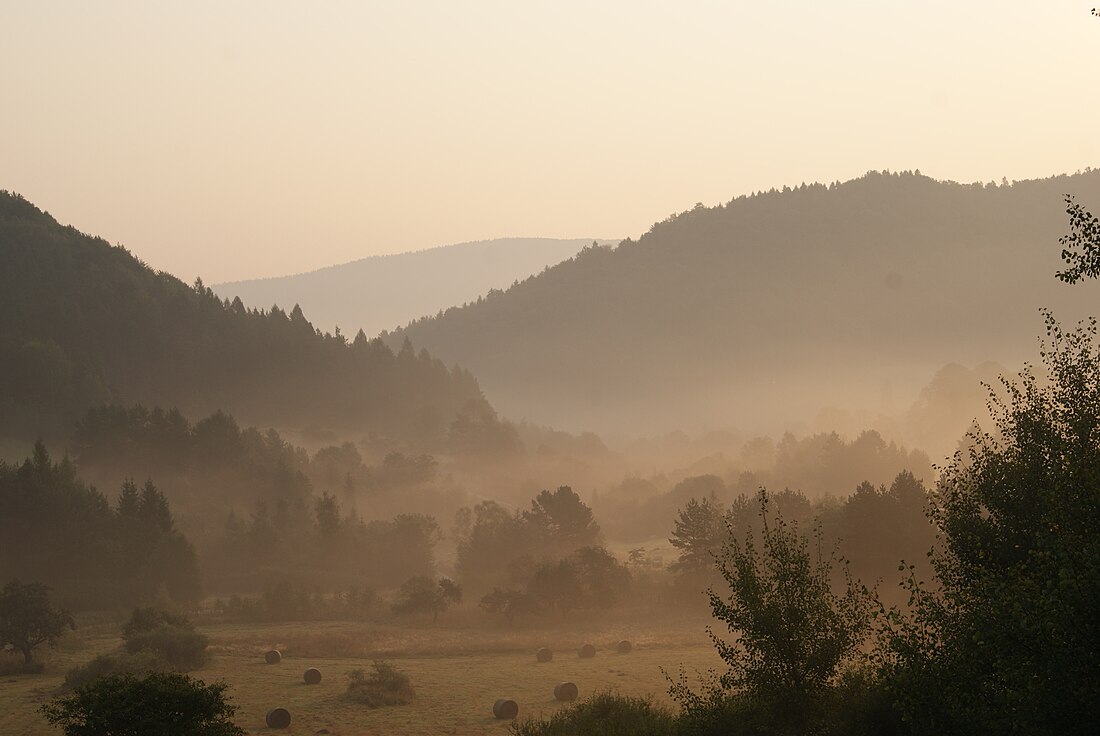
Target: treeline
(320,548)
(84,323)
(108,553)
(548,558)
(215,466)
(819,465)
(999,637)
(94,551)
(875,528)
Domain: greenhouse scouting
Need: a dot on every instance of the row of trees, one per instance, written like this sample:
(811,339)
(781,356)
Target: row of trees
(1003,640)
(57,529)
(874,527)
(821,464)
(495,545)
(321,544)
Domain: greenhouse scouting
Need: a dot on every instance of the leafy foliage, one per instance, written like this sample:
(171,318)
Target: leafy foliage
(168,635)
(58,529)
(603,714)
(28,619)
(508,603)
(384,685)
(115,663)
(1009,641)
(793,636)
(493,542)
(422,595)
(1081,248)
(161,702)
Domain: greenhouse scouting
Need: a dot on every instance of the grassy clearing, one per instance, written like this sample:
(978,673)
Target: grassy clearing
(457,671)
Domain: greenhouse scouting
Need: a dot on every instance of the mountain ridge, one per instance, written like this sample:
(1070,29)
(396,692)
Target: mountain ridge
(768,294)
(386,291)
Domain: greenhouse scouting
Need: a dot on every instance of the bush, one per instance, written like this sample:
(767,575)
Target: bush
(115,663)
(151,618)
(182,649)
(170,636)
(603,714)
(159,703)
(386,685)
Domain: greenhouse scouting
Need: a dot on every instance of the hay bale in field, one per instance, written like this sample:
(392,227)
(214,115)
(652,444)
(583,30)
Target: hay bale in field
(273,656)
(544,655)
(278,718)
(312,676)
(565,691)
(587,652)
(624,647)
(506,709)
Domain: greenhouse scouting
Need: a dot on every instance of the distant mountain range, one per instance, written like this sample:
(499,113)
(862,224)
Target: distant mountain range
(761,311)
(84,323)
(385,292)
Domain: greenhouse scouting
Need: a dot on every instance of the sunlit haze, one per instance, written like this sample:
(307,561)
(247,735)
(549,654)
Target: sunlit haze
(246,139)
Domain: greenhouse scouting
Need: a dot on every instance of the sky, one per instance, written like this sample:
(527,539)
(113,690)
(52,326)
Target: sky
(232,140)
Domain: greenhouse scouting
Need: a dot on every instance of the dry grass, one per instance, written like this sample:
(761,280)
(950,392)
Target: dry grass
(458,671)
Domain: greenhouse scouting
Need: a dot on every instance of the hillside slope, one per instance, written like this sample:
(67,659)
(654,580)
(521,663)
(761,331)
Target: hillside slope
(383,292)
(762,310)
(83,323)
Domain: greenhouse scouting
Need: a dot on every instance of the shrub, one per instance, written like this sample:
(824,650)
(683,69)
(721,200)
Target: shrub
(115,663)
(603,714)
(158,703)
(182,649)
(150,618)
(170,636)
(385,685)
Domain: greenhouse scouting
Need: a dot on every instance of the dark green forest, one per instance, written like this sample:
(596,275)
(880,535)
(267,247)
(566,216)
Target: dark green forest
(771,305)
(84,323)
(97,551)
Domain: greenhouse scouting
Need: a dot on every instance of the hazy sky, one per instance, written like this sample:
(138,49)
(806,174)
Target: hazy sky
(239,139)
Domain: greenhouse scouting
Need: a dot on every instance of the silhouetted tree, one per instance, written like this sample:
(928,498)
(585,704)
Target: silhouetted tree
(424,595)
(28,619)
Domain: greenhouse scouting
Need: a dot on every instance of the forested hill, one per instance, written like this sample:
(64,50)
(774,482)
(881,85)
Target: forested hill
(774,305)
(83,323)
(382,292)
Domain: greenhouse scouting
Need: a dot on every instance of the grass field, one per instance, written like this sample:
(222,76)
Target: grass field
(458,669)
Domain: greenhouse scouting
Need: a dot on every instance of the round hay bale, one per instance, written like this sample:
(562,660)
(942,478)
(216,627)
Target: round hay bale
(312,676)
(587,652)
(278,718)
(544,655)
(273,656)
(504,708)
(624,647)
(565,691)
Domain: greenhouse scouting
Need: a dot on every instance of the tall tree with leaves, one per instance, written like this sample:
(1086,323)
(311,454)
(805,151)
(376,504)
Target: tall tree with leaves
(1011,641)
(792,636)
(28,619)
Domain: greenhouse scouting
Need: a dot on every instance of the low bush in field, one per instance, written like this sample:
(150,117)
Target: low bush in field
(154,703)
(170,636)
(603,714)
(385,685)
(182,649)
(115,663)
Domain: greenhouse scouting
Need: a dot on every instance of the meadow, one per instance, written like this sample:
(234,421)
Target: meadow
(458,668)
